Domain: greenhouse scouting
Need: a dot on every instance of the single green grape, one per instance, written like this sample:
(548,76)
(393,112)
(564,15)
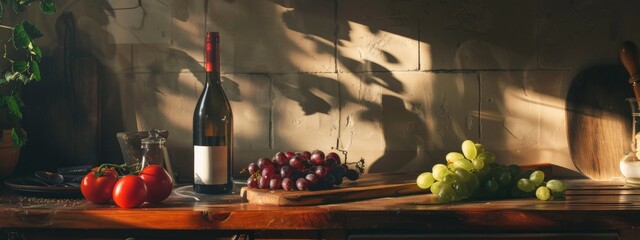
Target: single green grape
(469,149)
(479,148)
(438,171)
(446,194)
(555,186)
(477,164)
(504,178)
(487,157)
(474,182)
(497,169)
(462,163)
(448,178)
(462,175)
(491,185)
(462,189)
(453,156)
(490,157)
(484,171)
(557,195)
(482,156)
(435,187)
(425,180)
(525,185)
(537,177)
(514,170)
(543,193)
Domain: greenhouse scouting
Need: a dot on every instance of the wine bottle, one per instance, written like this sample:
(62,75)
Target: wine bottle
(212,128)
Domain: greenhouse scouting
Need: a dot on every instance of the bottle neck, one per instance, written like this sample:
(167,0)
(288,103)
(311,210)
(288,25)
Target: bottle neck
(213,78)
(212,57)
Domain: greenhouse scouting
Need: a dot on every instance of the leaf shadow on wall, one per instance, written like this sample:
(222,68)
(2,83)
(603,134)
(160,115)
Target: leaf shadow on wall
(404,132)
(302,93)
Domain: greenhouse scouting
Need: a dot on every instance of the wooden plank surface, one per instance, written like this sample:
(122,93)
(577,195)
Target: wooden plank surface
(368,187)
(599,211)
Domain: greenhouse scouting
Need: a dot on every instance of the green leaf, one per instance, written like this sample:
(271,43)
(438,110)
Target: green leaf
(35,51)
(21,39)
(18,99)
(16,76)
(18,137)
(48,7)
(34,68)
(11,76)
(17,7)
(13,106)
(32,30)
(23,78)
(23,33)
(19,66)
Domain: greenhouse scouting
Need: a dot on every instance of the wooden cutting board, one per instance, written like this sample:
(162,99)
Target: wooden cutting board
(62,114)
(372,185)
(599,120)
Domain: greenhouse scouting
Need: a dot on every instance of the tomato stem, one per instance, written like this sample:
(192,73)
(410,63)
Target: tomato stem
(122,169)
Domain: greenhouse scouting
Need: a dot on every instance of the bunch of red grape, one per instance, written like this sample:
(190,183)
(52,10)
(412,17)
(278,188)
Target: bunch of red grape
(301,170)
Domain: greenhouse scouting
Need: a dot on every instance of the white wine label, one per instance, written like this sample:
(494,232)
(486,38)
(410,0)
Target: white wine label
(210,165)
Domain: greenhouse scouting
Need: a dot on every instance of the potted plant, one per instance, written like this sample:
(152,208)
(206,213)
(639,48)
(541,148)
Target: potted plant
(19,65)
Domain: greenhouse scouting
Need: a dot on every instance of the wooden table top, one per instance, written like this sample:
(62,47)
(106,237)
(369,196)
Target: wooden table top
(589,206)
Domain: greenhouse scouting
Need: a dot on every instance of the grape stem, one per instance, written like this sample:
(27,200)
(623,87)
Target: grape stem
(359,164)
(344,152)
(255,175)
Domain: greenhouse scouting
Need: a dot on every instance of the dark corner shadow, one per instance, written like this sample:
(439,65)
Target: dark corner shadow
(403,131)
(65,112)
(111,114)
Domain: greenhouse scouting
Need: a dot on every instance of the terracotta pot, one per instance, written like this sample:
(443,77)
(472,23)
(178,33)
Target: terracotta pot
(8,155)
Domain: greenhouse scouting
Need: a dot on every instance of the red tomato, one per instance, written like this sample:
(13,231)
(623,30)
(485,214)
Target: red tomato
(98,189)
(158,181)
(130,192)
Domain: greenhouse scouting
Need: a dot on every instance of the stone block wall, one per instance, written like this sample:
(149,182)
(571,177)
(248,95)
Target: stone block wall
(397,82)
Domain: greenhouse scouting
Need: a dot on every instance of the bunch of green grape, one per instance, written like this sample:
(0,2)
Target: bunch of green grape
(475,174)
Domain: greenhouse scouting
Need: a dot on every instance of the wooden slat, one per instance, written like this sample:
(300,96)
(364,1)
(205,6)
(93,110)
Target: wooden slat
(411,213)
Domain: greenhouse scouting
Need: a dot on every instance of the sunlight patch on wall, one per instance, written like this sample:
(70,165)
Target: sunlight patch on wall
(176,105)
(522,116)
(387,51)
(309,50)
(426,60)
(190,39)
